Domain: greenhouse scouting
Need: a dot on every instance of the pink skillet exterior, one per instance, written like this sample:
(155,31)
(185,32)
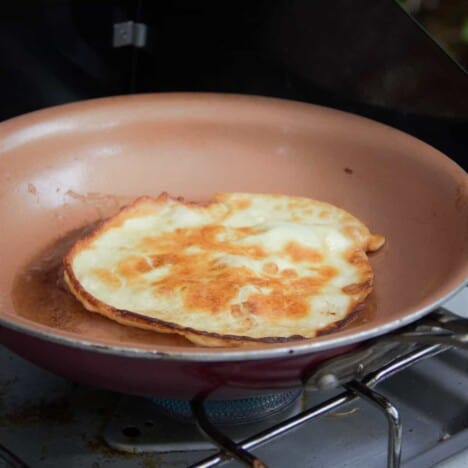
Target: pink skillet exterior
(167,378)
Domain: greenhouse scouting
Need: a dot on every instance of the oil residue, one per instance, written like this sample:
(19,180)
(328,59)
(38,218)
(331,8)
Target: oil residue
(58,410)
(366,314)
(41,295)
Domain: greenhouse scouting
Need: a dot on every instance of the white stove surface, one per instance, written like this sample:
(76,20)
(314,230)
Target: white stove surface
(459,303)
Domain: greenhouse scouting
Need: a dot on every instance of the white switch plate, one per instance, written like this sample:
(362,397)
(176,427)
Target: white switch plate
(459,303)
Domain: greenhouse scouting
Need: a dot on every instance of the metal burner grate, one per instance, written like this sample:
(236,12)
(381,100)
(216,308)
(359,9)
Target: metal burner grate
(440,328)
(357,373)
(352,391)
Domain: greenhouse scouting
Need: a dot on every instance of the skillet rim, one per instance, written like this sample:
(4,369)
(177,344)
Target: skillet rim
(200,354)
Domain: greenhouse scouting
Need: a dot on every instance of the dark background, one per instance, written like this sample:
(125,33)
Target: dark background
(365,56)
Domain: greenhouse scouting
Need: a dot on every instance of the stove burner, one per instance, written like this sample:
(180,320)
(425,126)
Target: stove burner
(241,411)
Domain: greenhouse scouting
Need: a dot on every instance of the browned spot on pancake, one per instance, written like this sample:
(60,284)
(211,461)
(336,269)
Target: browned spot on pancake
(236,311)
(356,257)
(160,260)
(243,203)
(209,296)
(107,277)
(133,266)
(324,214)
(243,321)
(270,268)
(212,288)
(354,232)
(328,272)
(214,293)
(289,273)
(348,170)
(251,251)
(313,284)
(246,231)
(277,305)
(210,238)
(299,253)
(205,283)
(357,288)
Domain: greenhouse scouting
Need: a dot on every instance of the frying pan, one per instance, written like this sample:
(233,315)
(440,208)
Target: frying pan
(66,167)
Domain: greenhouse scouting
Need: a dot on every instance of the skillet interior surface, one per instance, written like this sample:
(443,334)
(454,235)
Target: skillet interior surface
(67,167)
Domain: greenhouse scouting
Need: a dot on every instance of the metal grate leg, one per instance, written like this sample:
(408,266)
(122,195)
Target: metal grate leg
(220,439)
(393,418)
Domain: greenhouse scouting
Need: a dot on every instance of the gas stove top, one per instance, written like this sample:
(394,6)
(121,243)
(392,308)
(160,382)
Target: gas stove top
(373,61)
(47,421)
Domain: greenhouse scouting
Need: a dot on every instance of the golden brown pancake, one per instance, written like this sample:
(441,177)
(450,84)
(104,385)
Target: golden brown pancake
(241,268)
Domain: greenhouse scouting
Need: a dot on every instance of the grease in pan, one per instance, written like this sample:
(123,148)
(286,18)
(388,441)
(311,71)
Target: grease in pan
(241,268)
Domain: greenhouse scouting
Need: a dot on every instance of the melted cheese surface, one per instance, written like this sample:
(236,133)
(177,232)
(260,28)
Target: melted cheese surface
(254,266)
